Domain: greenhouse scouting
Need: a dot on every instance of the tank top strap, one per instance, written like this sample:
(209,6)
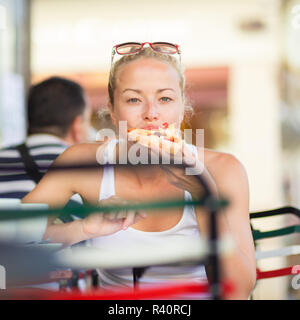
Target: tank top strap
(107,188)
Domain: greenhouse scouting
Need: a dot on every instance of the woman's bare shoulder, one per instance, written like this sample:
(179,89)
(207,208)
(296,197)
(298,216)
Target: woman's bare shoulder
(228,173)
(222,163)
(80,153)
(214,157)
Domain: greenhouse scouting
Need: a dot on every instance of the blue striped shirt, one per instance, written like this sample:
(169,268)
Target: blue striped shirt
(44,149)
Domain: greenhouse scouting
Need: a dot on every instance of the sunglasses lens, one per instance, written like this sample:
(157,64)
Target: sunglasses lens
(128,48)
(163,47)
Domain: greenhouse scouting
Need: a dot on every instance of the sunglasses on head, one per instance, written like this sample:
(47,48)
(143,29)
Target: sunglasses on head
(135,47)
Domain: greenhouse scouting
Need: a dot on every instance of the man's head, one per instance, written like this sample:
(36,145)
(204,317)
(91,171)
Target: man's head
(58,106)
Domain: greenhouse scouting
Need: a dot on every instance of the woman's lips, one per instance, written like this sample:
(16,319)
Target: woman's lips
(150,127)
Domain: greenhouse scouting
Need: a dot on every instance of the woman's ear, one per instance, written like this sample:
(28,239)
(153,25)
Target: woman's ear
(112,114)
(181,116)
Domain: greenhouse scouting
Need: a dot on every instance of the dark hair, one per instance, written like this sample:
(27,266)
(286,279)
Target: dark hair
(53,104)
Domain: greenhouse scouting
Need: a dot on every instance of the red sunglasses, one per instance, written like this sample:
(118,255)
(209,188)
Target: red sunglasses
(135,47)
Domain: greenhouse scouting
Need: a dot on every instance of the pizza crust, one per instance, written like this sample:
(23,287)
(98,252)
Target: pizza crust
(166,139)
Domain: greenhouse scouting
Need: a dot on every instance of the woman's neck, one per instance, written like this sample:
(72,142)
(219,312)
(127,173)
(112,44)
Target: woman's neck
(148,174)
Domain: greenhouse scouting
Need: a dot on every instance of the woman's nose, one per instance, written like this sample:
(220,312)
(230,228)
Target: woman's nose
(151,112)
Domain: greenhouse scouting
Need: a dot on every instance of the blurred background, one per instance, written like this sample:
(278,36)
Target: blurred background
(242,60)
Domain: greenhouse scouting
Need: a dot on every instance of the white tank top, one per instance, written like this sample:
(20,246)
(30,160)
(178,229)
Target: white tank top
(186,228)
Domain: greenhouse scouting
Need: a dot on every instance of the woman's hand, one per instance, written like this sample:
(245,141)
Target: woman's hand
(182,177)
(103,224)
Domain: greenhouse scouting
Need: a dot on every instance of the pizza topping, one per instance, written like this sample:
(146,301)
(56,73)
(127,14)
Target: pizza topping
(166,132)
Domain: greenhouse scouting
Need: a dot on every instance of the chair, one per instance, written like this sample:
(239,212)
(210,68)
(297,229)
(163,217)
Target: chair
(280,252)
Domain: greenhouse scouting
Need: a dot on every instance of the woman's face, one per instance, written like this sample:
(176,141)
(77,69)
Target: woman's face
(147,94)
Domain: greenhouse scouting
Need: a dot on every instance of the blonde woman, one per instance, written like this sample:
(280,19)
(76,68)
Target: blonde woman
(146,89)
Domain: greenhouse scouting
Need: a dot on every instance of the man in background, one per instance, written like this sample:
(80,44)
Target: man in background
(58,116)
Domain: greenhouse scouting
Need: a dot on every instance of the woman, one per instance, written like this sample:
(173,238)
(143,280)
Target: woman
(146,89)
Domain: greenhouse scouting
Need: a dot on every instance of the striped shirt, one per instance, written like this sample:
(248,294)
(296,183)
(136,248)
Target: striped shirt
(44,149)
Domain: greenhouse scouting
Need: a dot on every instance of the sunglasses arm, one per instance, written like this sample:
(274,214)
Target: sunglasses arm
(113,54)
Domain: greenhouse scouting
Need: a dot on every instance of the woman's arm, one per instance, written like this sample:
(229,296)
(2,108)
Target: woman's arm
(226,177)
(57,187)
(232,183)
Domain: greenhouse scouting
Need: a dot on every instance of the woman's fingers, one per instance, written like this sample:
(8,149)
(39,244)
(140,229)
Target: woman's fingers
(142,214)
(121,215)
(133,217)
(139,216)
(126,217)
(129,220)
(111,215)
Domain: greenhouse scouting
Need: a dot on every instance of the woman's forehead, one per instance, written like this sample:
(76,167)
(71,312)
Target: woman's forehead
(146,71)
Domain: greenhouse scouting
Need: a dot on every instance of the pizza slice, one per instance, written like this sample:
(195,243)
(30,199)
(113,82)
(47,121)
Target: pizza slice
(167,137)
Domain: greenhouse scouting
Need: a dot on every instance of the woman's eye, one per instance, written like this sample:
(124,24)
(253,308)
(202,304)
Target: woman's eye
(165,99)
(132,100)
